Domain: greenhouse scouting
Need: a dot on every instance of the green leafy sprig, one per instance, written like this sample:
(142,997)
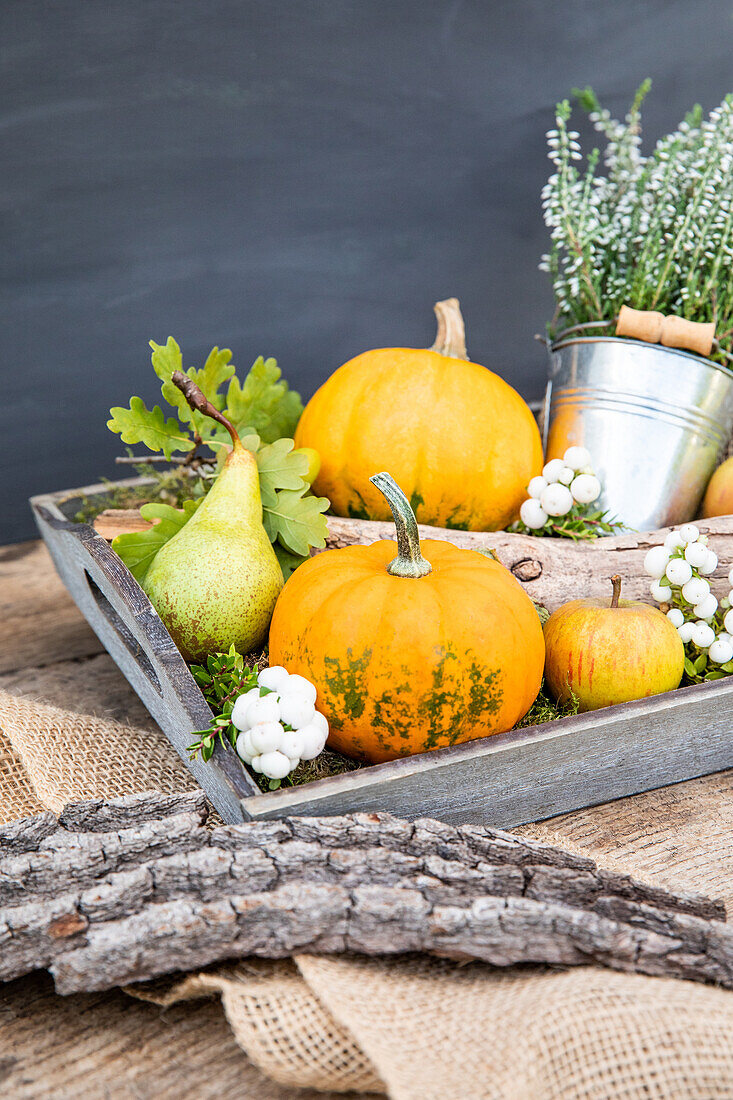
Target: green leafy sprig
(265,412)
(582,522)
(223,678)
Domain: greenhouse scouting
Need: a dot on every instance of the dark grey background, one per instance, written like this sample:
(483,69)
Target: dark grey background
(299,178)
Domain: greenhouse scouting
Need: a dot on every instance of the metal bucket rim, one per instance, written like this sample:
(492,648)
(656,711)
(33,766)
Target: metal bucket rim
(644,344)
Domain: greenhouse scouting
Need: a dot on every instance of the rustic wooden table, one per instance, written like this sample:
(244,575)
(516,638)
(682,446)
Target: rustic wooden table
(109,1045)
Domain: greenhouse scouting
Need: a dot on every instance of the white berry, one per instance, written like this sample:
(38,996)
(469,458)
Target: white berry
(660,592)
(728,621)
(275,677)
(586,488)
(313,741)
(686,631)
(678,571)
(552,470)
(300,687)
(566,475)
(264,709)
(721,651)
(266,737)
(296,712)
(241,705)
(275,765)
(292,744)
(695,589)
(245,748)
(321,722)
(676,617)
(730,575)
(535,487)
(710,564)
(577,458)
(697,554)
(556,499)
(689,533)
(255,764)
(674,541)
(703,635)
(656,561)
(707,608)
(532,514)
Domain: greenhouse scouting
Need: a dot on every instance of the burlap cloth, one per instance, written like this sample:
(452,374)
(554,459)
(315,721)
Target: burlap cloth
(413,1028)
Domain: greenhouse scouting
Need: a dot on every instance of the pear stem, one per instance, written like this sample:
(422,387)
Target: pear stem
(451,337)
(616,582)
(409,561)
(200,403)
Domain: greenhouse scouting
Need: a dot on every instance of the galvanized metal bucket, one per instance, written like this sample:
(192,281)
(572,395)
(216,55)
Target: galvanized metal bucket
(656,421)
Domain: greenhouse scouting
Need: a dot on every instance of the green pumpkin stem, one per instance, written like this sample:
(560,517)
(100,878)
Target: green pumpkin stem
(409,561)
(451,337)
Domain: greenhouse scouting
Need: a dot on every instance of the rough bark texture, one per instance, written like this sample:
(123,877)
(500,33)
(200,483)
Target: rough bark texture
(554,571)
(118,892)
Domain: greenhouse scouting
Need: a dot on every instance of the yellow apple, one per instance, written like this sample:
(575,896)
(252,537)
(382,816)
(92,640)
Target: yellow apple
(718,499)
(611,651)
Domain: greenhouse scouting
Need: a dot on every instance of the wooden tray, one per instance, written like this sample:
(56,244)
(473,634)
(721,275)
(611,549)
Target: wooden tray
(505,780)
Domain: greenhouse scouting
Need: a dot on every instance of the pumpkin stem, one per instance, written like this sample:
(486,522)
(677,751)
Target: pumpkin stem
(409,561)
(451,337)
(616,582)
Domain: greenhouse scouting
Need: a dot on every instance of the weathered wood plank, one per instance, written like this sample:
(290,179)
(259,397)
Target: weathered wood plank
(39,623)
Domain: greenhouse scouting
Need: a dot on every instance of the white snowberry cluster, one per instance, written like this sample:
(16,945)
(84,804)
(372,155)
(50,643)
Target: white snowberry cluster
(563,483)
(279,723)
(679,569)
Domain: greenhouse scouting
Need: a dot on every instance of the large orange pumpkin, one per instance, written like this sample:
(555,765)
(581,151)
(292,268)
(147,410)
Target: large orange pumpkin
(459,440)
(407,654)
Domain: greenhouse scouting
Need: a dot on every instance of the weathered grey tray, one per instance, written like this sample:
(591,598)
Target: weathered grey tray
(521,776)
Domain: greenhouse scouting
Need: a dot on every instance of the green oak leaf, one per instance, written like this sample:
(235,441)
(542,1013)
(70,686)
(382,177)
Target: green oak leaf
(264,402)
(139,424)
(217,370)
(296,521)
(138,548)
(288,562)
(280,467)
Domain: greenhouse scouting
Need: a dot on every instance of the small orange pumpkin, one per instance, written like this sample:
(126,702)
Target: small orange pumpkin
(407,654)
(459,440)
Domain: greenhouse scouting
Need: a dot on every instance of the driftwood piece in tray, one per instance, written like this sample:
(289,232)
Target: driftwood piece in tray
(555,571)
(552,570)
(110,893)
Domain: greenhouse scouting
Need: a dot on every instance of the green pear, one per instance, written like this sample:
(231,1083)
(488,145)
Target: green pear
(215,583)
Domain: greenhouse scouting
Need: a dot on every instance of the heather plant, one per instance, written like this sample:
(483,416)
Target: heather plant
(650,232)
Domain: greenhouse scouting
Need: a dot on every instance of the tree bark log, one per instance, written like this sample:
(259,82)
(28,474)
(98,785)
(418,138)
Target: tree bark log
(554,571)
(118,892)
